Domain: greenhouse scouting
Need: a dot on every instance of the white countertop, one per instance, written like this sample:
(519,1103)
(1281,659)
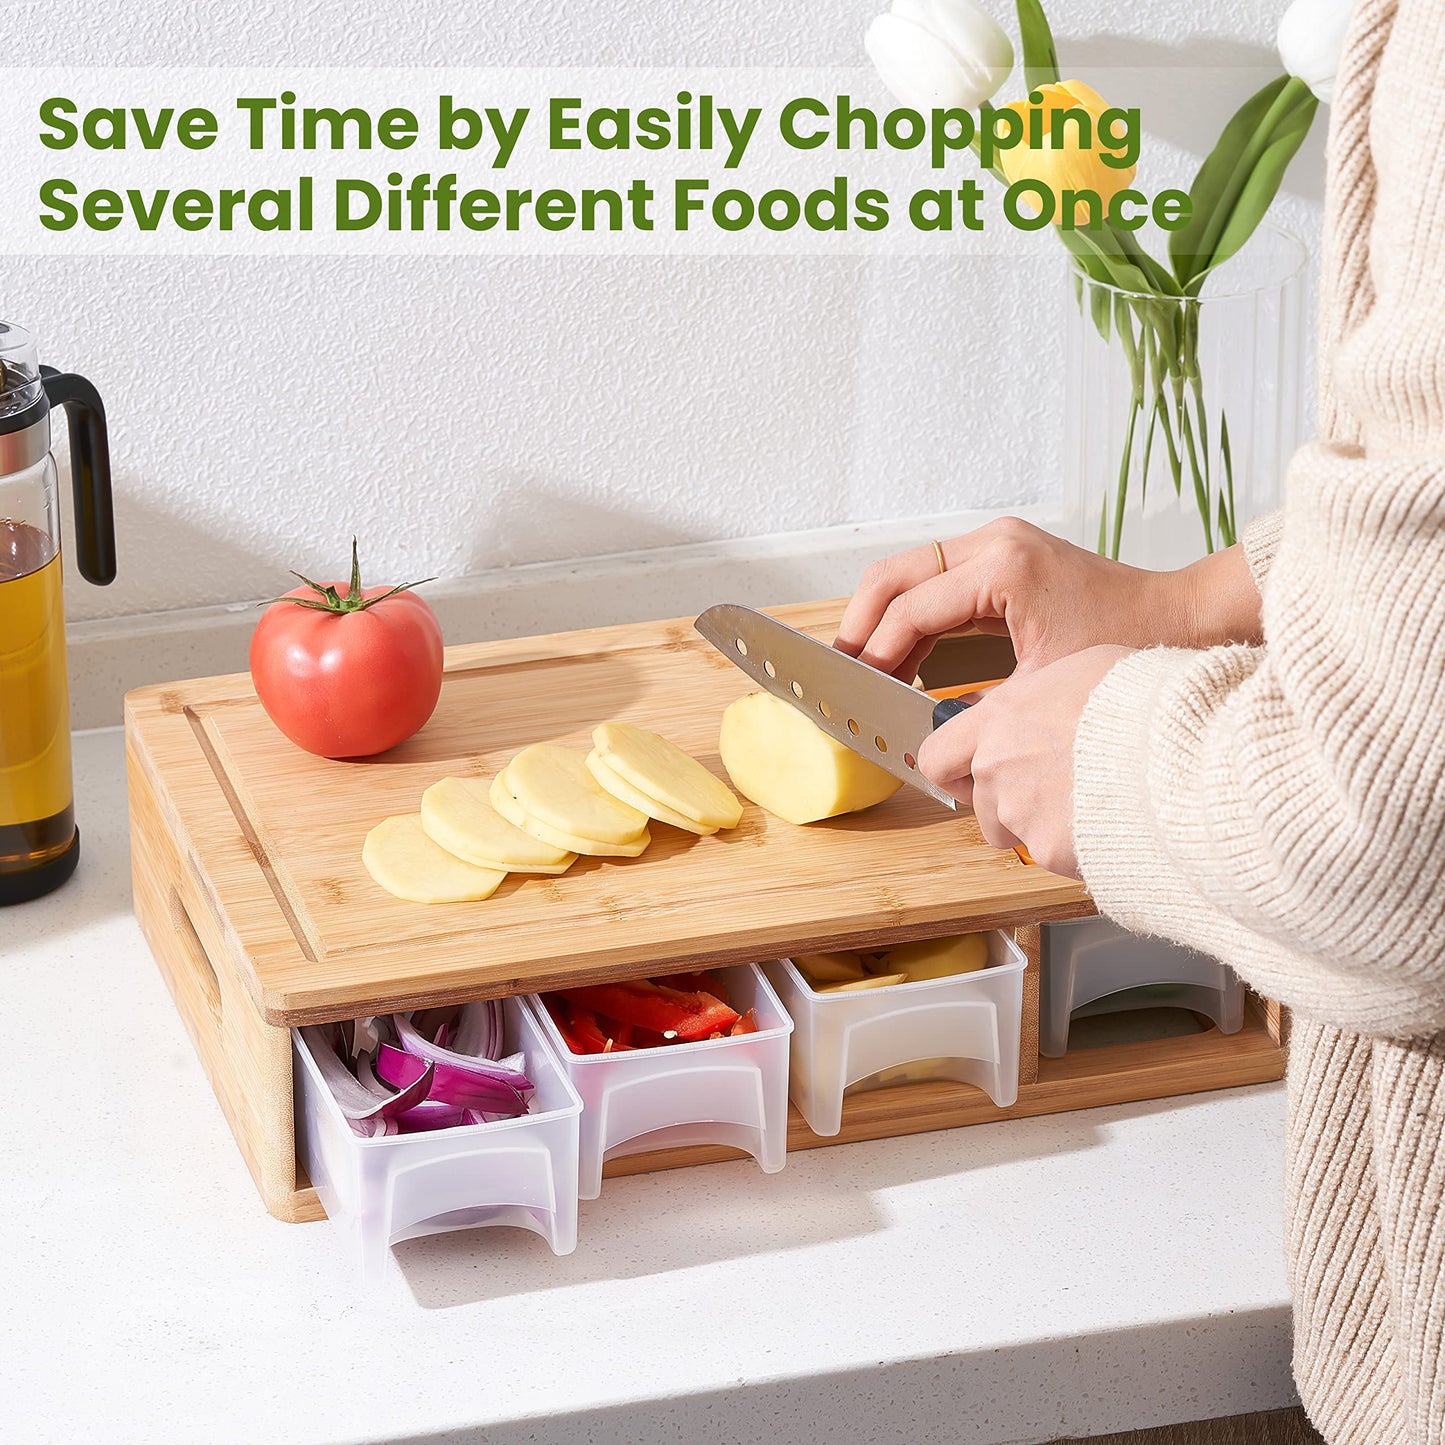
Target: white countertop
(1081,1273)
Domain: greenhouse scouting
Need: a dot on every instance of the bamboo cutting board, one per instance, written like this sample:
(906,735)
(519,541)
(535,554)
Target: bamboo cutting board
(276,834)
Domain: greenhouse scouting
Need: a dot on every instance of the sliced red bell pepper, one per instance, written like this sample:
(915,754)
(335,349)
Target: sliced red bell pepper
(685,1016)
(694,983)
(557,1007)
(586,1026)
(748,1024)
(577,1025)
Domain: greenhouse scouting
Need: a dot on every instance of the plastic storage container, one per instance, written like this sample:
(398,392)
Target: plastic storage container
(521,1171)
(970,1019)
(731,1091)
(1092,965)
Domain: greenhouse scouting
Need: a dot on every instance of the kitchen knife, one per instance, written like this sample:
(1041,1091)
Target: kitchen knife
(874,715)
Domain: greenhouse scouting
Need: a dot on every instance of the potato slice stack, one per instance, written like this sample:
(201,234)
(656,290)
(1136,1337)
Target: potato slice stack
(646,772)
(549,805)
(548,792)
(905,963)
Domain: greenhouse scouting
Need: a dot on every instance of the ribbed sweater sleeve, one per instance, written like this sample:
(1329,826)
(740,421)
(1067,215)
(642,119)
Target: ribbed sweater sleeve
(1284,806)
(1260,542)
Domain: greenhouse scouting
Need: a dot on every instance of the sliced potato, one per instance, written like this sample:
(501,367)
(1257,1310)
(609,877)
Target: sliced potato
(785,764)
(403,860)
(882,980)
(456,814)
(553,786)
(624,792)
(505,802)
(830,967)
(938,957)
(920,1071)
(661,770)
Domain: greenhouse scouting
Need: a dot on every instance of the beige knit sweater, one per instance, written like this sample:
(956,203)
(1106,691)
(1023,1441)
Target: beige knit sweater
(1283,807)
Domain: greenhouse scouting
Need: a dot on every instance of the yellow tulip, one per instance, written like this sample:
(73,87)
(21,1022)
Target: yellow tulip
(1068,166)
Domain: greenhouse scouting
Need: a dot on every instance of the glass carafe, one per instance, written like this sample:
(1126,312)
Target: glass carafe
(39,841)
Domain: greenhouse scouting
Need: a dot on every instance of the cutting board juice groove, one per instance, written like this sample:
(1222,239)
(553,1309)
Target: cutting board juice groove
(249,887)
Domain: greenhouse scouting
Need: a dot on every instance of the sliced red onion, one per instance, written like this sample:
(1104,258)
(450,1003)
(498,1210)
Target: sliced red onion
(430,1021)
(415,1043)
(425,1116)
(366,1077)
(479,1031)
(375,1128)
(367,1036)
(451,1084)
(430,1115)
(352,1096)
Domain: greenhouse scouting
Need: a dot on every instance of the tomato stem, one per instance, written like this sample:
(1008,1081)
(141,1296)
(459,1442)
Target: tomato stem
(332,601)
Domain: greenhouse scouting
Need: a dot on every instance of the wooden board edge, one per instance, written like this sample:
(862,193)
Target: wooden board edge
(327,1003)
(160,698)
(247,1062)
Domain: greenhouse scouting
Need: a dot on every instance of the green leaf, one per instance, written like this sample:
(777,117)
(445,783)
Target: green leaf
(1229,535)
(1121,499)
(1241,176)
(1261,188)
(1102,262)
(1100,309)
(391,592)
(1123,327)
(1041,59)
(1126,244)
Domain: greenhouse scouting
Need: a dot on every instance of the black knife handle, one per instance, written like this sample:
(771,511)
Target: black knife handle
(949,707)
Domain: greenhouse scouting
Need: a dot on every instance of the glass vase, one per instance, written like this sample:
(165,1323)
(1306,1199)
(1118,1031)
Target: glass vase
(1182,413)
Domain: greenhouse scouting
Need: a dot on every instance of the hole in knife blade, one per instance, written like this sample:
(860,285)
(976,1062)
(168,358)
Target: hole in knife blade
(797,689)
(910,760)
(880,743)
(853,727)
(770,669)
(742,647)
(825,709)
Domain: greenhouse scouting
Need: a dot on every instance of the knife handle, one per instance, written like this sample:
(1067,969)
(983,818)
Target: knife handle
(948,707)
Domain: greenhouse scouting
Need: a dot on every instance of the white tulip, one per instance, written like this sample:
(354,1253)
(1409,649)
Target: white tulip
(1310,40)
(939,53)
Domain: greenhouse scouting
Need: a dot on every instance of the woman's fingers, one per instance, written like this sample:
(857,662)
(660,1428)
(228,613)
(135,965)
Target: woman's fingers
(882,582)
(945,756)
(907,670)
(920,615)
(946,759)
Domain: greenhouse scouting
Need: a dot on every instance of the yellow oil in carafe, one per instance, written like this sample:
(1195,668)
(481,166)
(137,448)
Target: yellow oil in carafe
(37,817)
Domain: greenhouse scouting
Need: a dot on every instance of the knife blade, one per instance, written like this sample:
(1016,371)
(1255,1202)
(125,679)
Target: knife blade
(874,715)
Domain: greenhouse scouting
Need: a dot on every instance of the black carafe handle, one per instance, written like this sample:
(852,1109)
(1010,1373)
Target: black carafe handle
(89,473)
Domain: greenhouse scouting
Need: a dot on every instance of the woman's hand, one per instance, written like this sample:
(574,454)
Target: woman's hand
(1049,596)
(1011,756)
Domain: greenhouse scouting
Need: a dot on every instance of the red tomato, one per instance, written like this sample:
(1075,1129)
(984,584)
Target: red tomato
(348,684)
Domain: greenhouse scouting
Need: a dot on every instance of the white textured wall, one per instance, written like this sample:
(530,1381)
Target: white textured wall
(462,415)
